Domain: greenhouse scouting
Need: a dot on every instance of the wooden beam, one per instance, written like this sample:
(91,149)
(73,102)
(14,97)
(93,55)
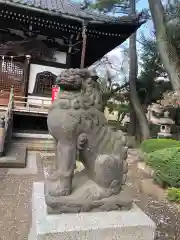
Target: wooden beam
(49,64)
(68,58)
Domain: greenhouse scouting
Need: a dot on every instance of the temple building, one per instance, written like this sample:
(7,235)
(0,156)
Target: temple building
(39,38)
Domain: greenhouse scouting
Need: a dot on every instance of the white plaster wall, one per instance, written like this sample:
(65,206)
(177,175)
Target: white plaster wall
(35,69)
(110,116)
(114,116)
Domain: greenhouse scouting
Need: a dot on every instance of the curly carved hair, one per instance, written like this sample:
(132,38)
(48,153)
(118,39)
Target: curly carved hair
(83,73)
(91,92)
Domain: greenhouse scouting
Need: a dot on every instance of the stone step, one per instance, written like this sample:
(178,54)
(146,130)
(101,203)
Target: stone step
(33,134)
(15,157)
(35,144)
(16,154)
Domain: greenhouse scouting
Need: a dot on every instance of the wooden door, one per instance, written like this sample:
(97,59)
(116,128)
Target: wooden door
(11,74)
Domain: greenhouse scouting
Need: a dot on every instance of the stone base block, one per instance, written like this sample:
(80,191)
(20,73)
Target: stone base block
(164,135)
(124,225)
(87,196)
(15,157)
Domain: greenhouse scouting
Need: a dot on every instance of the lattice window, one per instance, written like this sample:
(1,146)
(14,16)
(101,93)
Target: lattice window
(43,84)
(12,68)
(11,74)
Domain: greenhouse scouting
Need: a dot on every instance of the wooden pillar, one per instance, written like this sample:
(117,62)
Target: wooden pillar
(84,37)
(26,74)
(68,60)
(1,61)
(2,135)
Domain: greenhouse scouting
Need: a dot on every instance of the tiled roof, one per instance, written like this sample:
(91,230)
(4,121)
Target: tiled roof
(67,8)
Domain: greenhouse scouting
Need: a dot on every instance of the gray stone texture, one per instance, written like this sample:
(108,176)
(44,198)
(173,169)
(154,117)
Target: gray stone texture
(84,198)
(77,123)
(124,225)
(15,157)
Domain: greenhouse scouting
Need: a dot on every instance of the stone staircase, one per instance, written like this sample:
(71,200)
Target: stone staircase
(35,144)
(15,157)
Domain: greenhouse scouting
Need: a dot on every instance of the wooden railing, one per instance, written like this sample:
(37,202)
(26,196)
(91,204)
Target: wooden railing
(26,104)
(6,125)
(10,105)
(31,104)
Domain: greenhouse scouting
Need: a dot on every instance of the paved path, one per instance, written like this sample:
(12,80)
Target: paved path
(15,200)
(151,199)
(16,190)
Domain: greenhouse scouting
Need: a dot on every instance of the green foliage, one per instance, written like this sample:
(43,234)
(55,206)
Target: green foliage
(110,5)
(173,194)
(151,62)
(111,106)
(150,58)
(152,145)
(121,107)
(166,166)
(148,89)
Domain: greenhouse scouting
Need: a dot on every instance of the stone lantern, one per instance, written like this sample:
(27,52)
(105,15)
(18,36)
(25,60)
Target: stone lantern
(165,127)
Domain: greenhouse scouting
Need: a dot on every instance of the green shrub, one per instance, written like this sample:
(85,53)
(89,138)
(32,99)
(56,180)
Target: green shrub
(166,166)
(152,145)
(173,194)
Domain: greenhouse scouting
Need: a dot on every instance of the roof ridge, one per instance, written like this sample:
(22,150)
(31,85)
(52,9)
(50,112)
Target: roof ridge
(69,9)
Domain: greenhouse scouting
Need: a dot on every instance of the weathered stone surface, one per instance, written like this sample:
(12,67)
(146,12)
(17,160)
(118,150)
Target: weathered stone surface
(124,225)
(87,196)
(31,165)
(43,145)
(15,157)
(77,122)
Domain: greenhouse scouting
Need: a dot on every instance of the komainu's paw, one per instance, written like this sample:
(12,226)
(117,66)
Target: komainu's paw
(56,190)
(59,188)
(53,176)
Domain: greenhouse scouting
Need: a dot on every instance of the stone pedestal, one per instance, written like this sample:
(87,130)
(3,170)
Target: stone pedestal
(124,225)
(164,135)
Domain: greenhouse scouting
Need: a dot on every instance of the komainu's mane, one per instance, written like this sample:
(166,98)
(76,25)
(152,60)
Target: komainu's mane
(90,93)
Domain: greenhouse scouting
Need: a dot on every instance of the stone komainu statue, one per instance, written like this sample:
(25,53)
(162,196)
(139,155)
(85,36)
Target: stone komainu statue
(77,123)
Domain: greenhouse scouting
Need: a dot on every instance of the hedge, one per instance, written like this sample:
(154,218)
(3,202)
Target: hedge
(173,194)
(152,145)
(166,166)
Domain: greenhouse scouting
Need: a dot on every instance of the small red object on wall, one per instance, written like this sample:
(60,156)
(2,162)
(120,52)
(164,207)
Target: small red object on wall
(55,90)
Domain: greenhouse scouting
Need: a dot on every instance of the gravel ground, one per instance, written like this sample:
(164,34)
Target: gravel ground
(15,202)
(165,215)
